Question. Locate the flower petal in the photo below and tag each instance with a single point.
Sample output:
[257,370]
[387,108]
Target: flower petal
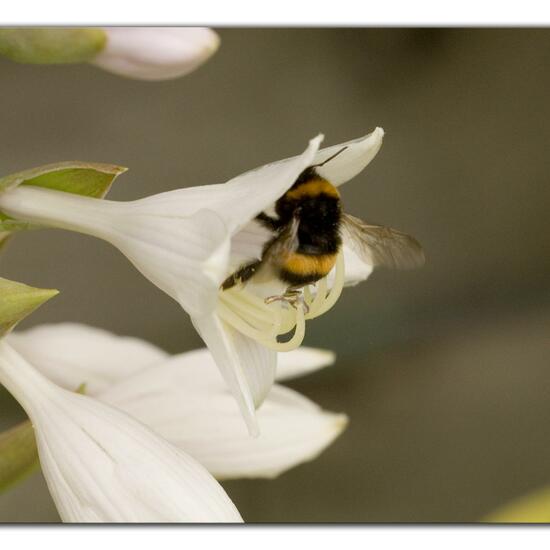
[345,166]
[278,448]
[71,354]
[184,257]
[290,364]
[302,361]
[258,363]
[248,244]
[156,53]
[219,338]
[237,201]
[252,365]
[356,270]
[180,402]
[102,465]
[349,163]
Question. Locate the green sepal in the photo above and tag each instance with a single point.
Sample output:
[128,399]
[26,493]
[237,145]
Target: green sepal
[18,300]
[91,179]
[18,455]
[55,45]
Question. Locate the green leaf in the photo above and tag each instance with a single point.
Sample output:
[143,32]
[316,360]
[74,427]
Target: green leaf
[531,508]
[18,300]
[54,45]
[18,455]
[91,179]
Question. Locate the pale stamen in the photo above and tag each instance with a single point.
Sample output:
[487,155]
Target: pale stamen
[266,322]
[320,296]
[297,338]
[335,292]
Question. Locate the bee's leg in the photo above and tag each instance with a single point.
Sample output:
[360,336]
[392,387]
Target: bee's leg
[292,296]
[243,274]
[295,296]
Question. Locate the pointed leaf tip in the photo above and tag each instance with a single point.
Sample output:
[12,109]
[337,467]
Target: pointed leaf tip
[18,300]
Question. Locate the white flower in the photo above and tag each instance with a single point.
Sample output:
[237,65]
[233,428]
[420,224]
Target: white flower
[101,465]
[156,53]
[189,240]
[184,400]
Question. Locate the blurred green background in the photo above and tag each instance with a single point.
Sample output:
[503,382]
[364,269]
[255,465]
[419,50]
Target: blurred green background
[444,372]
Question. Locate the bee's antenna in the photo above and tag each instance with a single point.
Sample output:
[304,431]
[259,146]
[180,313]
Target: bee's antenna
[330,158]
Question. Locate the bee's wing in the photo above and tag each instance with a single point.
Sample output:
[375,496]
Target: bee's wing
[382,246]
[284,244]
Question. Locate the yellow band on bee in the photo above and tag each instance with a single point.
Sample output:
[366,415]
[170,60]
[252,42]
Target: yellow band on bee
[308,264]
[312,188]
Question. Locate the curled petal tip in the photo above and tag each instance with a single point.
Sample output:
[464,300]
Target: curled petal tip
[356,155]
[317,140]
[252,425]
[340,422]
[375,138]
[328,357]
[212,46]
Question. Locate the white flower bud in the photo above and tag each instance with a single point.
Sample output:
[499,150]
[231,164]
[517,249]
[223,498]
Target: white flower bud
[156,53]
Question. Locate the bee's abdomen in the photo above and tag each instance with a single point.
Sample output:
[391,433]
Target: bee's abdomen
[302,269]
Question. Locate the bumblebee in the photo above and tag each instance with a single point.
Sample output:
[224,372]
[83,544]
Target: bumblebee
[308,230]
